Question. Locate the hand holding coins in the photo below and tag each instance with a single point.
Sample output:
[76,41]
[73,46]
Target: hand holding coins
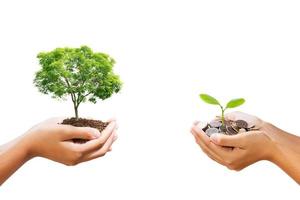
[238,140]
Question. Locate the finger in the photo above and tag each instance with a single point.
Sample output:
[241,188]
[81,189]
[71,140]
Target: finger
[232,115]
[219,151]
[203,142]
[108,131]
[207,151]
[69,132]
[55,120]
[237,115]
[111,119]
[229,140]
[99,142]
[103,150]
[195,122]
[250,119]
[107,145]
[216,160]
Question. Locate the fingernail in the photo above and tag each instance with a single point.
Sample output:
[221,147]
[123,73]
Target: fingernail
[94,137]
[95,133]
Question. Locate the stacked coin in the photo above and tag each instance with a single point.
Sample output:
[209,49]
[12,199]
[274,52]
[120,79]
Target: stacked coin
[228,128]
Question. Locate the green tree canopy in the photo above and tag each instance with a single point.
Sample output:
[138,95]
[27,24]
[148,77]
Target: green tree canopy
[80,73]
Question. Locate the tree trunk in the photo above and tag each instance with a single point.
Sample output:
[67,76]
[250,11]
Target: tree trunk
[76,111]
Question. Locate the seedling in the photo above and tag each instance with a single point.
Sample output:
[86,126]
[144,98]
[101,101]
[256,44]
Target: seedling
[78,73]
[231,104]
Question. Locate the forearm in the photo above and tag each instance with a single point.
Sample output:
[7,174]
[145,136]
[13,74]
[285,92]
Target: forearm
[12,156]
[287,151]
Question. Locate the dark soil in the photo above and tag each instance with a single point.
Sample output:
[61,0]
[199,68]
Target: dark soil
[80,122]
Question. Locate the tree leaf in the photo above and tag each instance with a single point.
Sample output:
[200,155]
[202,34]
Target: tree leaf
[235,103]
[209,99]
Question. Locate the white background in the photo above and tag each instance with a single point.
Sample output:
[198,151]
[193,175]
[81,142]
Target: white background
[167,52]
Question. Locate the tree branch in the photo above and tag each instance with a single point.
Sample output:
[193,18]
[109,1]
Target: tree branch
[79,100]
[73,96]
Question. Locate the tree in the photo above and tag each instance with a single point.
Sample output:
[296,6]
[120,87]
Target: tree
[80,73]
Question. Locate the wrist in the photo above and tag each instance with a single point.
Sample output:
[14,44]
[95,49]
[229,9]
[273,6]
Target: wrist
[275,136]
[25,144]
[277,139]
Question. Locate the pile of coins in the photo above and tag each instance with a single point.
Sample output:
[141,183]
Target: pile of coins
[228,128]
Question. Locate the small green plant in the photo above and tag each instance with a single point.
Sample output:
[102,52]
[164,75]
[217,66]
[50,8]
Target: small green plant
[231,104]
[80,73]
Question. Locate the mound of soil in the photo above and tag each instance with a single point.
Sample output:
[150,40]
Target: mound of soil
[81,122]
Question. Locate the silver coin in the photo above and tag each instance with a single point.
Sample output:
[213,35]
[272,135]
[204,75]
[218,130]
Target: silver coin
[211,131]
[242,130]
[215,124]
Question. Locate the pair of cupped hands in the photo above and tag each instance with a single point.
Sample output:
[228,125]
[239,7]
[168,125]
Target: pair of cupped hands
[238,151]
[53,141]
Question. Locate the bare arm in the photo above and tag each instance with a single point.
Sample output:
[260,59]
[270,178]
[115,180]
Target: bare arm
[12,156]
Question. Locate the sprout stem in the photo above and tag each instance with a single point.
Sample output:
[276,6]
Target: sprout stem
[222,116]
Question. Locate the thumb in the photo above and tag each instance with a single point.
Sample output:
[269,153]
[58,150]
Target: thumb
[86,133]
[228,141]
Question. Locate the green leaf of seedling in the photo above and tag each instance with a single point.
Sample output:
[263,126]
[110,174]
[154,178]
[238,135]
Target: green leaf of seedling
[235,103]
[209,99]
